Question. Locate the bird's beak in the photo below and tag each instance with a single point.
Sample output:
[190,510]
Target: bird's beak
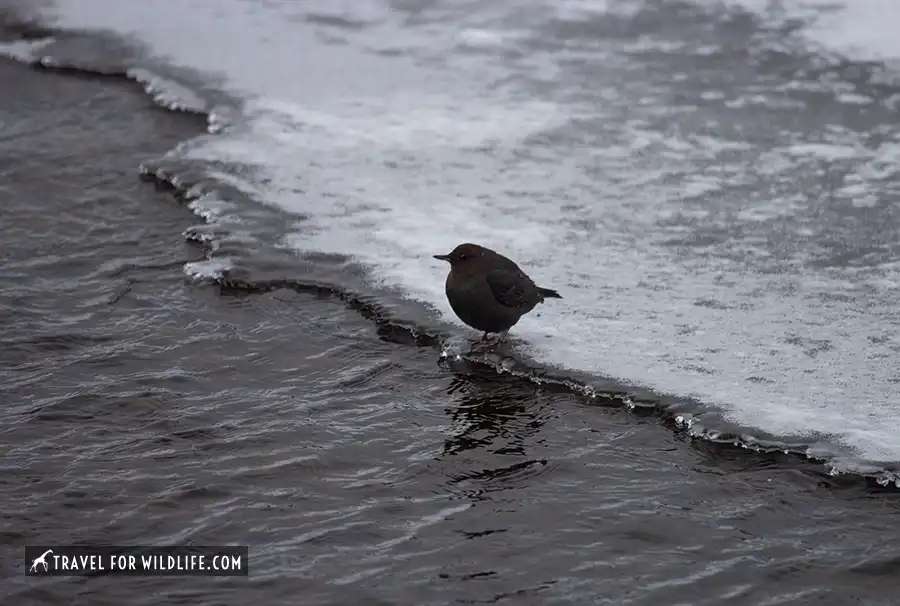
[442,257]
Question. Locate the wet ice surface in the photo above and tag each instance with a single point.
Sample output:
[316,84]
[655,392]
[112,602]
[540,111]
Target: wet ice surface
[715,202]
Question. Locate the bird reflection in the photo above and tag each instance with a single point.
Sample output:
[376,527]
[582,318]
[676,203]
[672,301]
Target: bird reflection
[495,412]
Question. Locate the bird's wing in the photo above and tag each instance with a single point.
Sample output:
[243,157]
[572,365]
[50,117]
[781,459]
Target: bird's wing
[509,287]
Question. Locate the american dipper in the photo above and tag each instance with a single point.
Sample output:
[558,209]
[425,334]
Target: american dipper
[489,292]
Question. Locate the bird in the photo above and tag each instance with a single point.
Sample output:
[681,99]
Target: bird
[489,292]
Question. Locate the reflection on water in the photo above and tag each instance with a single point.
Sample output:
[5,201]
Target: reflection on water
[492,413]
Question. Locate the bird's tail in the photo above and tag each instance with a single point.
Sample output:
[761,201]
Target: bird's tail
[550,294]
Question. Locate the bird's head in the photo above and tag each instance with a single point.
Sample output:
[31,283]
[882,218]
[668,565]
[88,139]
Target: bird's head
[463,254]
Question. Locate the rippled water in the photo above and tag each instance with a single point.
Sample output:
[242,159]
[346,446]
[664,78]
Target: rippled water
[712,193]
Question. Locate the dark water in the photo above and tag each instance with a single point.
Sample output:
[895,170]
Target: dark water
[139,406]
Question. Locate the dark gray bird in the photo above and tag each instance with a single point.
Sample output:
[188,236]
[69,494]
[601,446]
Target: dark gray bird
[488,291]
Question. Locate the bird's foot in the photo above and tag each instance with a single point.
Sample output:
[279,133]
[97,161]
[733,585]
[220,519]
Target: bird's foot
[486,342]
[482,345]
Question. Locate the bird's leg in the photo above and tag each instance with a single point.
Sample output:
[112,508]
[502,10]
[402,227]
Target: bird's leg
[484,337]
[503,336]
